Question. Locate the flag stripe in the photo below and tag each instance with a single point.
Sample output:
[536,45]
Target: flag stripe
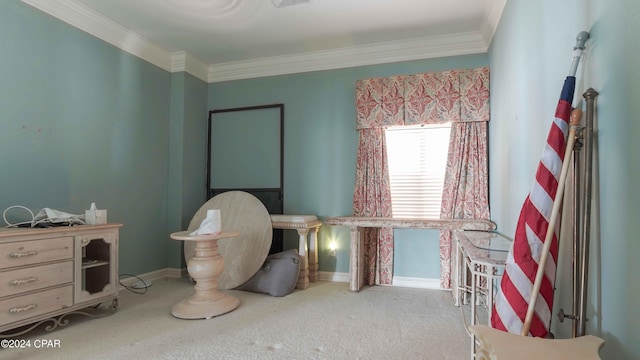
[516,286]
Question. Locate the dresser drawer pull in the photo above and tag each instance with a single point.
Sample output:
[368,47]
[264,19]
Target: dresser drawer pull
[18,282]
[23,309]
[17,255]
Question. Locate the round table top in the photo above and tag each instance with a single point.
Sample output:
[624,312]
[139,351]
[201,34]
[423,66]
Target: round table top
[186,235]
[246,254]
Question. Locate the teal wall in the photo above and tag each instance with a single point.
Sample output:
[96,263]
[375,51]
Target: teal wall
[131,137]
[82,121]
[529,57]
[320,150]
[187,156]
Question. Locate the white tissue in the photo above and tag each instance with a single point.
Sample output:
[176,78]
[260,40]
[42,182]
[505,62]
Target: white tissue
[210,224]
[90,215]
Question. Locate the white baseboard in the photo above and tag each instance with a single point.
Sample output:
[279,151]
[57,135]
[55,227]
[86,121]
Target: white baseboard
[129,280]
[420,283]
[410,282]
[333,276]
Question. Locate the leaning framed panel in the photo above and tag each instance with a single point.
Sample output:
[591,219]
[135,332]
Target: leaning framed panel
[245,152]
[245,149]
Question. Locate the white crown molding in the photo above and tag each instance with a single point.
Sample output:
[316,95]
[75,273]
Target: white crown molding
[380,53]
[183,61]
[96,24]
[90,21]
[492,18]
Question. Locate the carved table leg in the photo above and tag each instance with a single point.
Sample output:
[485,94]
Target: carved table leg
[313,255]
[303,277]
[356,259]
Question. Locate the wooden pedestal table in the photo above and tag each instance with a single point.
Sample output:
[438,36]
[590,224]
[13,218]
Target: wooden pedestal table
[204,267]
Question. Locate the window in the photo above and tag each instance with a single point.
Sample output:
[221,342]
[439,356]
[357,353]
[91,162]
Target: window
[417,158]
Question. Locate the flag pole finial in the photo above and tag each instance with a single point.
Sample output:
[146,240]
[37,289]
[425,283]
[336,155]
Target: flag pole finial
[582,38]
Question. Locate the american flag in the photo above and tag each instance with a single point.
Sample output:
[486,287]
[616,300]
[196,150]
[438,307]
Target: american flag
[512,299]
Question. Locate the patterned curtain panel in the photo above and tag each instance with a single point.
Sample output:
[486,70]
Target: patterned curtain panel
[474,94]
[372,198]
[456,96]
[380,102]
[428,98]
[369,104]
[466,187]
[433,98]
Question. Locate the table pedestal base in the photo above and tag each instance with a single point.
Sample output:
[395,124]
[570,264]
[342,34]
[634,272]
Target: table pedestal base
[193,308]
[205,267]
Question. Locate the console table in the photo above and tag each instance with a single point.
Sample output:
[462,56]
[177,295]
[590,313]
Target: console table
[356,254]
[49,273]
[307,227]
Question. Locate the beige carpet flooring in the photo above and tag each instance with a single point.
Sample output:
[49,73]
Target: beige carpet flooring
[325,321]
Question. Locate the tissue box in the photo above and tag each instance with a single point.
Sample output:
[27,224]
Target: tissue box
[101,216]
[94,217]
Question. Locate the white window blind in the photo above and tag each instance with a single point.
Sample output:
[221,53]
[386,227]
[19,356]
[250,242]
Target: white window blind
[417,162]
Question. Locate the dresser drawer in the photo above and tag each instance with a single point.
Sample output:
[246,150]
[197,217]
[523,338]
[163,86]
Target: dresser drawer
[35,251]
[33,278]
[42,302]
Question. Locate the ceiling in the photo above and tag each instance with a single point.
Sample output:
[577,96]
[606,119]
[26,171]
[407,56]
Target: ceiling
[229,39]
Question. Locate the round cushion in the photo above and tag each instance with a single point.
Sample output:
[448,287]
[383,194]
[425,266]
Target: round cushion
[244,254]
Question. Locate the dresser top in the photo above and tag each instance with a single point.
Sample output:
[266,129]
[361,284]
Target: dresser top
[20,231]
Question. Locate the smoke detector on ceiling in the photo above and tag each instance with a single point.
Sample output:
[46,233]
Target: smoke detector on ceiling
[283,3]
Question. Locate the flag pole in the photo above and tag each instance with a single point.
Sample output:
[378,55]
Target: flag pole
[574,123]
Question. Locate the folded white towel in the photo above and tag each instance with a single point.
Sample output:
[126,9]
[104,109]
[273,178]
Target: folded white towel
[210,224]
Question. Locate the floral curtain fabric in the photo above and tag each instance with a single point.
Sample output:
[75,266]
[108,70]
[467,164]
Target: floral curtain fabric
[372,198]
[465,194]
[429,98]
[456,96]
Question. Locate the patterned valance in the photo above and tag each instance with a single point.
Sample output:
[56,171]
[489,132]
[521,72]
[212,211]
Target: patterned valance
[429,98]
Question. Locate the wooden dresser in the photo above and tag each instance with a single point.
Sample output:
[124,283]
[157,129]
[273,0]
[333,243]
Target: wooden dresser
[49,273]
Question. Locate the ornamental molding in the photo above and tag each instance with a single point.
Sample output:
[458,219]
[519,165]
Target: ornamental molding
[90,21]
